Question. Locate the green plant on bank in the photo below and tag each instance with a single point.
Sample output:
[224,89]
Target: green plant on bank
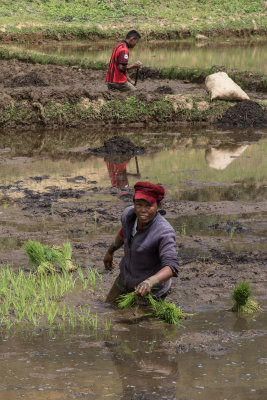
[37,299]
[241,296]
[50,259]
[161,309]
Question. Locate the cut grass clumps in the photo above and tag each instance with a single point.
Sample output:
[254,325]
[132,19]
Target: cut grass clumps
[161,309]
[241,295]
[50,259]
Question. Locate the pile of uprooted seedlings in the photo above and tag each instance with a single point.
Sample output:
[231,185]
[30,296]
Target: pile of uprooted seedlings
[50,259]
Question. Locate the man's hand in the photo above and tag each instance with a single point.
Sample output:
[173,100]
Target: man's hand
[108,261]
[145,287]
[138,64]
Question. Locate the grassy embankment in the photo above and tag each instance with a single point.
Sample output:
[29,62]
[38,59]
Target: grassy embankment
[155,19]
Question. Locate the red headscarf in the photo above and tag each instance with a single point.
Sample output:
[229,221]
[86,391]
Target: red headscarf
[149,192]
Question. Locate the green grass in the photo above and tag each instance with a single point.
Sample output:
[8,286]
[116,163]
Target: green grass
[108,16]
[30,299]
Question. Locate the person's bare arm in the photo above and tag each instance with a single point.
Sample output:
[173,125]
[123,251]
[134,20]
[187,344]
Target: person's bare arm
[138,64]
[145,287]
[108,259]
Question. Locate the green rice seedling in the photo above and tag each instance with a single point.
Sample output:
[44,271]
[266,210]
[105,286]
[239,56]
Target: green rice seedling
[162,310]
[127,300]
[184,230]
[107,324]
[95,219]
[92,275]
[35,251]
[231,233]
[241,296]
[52,313]
[52,210]
[65,259]
[82,278]
[94,321]
[5,205]
[46,267]
[166,311]
[72,318]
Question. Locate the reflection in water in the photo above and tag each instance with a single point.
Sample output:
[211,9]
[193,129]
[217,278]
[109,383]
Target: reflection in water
[244,56]
[221,157]
[145,372]
[117,169]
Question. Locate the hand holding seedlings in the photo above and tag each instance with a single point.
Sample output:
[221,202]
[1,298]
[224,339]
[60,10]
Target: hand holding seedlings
[150,256]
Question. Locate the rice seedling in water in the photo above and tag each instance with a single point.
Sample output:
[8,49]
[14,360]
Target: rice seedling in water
[107,324]
[231,233]
[92,275]
[94,321]
[5,205]
[161,309]
[241,295]
[166,311]
[127,300]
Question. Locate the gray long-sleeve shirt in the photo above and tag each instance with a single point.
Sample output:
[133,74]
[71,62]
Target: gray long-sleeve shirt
[151,249]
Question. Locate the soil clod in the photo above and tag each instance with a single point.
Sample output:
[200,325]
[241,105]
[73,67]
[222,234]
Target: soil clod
[30,79]
[245,113]
[165,89]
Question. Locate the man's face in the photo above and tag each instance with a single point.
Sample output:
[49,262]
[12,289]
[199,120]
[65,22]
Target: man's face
[145,211]
[132,42]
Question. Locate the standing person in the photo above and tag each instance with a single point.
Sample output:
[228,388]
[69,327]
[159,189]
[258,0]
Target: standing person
[150,257]
[116,77]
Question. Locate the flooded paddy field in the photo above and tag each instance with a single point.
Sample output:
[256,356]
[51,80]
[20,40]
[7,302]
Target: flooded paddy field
[246,55]
[52,189]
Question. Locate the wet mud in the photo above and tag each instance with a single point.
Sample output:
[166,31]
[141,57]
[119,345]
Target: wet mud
[34,95]
[78,207]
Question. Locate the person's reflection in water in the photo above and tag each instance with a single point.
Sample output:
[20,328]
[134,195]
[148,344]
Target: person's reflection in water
[117,169]
[146,372]
[222,156]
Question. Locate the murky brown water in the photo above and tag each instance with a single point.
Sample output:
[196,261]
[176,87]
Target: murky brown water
[135,359]
[129,363]
[250,56]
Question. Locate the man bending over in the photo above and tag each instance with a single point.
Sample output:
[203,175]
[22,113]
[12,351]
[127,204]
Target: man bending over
[116,77]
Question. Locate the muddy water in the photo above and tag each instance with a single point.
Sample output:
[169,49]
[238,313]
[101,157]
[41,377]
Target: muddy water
[216,353]
[134,361]
[244,56]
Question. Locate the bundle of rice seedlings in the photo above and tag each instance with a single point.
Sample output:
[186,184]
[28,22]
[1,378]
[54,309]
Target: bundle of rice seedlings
[166,311]
[46,267]
[161,309]
[35,251]
[50,259]
[127,300]
[65,259]
[241,295]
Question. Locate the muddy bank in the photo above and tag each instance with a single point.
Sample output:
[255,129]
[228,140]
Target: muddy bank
[54,96]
